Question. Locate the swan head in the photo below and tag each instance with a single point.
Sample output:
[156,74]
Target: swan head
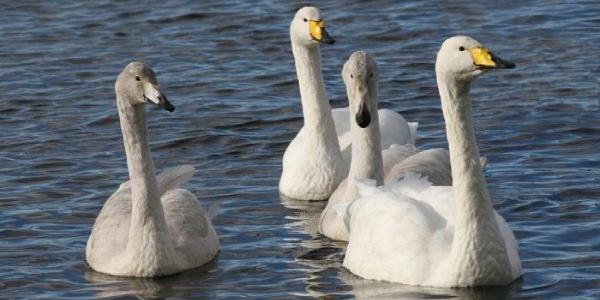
[360,75]
[464,58]
[137,85]
[308,28]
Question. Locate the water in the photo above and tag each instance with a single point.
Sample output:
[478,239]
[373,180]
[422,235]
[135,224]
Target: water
[227,67]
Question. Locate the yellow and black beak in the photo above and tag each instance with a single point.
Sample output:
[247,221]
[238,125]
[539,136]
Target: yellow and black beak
[318,32]
[484,59]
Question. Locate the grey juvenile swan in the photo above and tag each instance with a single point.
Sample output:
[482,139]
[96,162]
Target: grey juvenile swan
[150,226]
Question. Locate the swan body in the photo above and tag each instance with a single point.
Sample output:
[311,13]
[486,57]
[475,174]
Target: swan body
[150,226]
[411,232]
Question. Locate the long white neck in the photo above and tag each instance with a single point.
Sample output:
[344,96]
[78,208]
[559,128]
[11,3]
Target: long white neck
[148,227]
[477,239]
[367,160]
[315,105]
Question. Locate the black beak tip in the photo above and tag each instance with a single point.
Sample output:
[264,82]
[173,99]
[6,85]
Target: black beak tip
[164,103]
[326,38]
[501,63]
[170,107]
[363,119]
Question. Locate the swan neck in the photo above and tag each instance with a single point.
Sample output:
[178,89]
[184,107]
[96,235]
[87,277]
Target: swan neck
[367,160]
[147,218]
[315,104]
[476,232]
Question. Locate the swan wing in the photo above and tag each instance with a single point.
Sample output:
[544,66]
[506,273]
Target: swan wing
[190,227]
[341,119]
[169,179]
[413,126]
[111,228]
[395,236]
[432,163]
[331,223]
[512,246]
[174,178]
[395,154]
[394,129]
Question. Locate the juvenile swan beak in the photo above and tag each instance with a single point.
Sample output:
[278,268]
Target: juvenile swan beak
[485,59]
[153,94]
[363,116]
[318,32]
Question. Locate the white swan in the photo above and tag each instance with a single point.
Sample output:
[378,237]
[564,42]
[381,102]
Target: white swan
[414,233]
[149,226]
[313,163]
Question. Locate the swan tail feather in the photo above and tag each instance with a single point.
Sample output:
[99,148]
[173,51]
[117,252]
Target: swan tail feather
[174,178]
[483,161]
[366,187]
[413,126]
[213,211]
[342,211]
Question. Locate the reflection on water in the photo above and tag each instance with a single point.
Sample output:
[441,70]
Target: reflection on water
[106,286]
[228,68]
[368,289]
[307,217]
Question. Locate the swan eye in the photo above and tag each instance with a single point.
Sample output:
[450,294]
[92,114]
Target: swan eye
[137,78]
[371,74]
[351,76]
[305,20]
[461,48]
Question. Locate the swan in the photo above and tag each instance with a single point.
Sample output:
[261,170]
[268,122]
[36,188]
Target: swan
[360,75]
[313,163]
[411,232]
[150,226]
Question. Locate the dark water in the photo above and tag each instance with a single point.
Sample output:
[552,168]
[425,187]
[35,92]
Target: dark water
[227,67]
